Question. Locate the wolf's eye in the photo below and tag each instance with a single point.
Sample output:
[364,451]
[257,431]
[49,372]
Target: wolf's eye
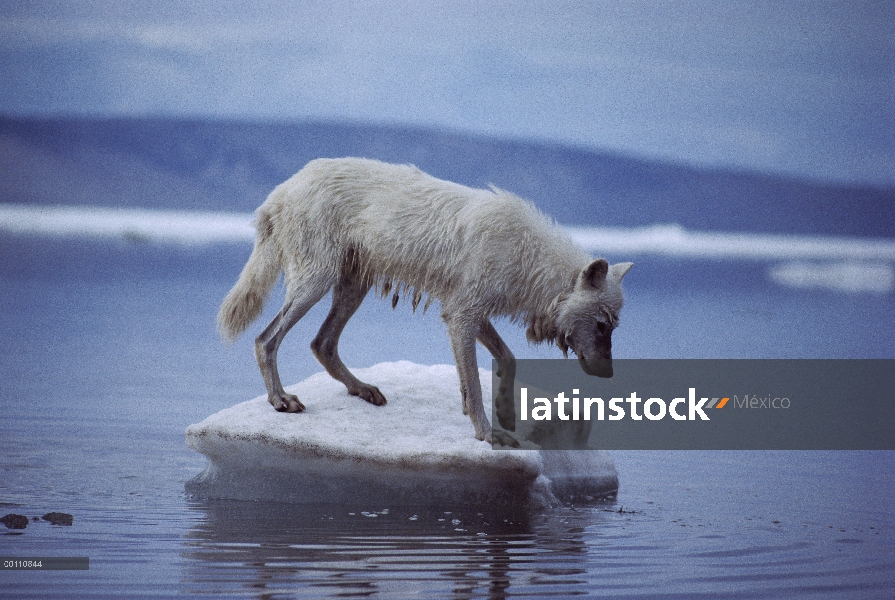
[601,327]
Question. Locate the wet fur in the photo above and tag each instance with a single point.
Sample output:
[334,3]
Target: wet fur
[351,225]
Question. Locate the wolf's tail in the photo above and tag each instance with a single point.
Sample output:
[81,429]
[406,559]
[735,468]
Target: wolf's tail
[244,302]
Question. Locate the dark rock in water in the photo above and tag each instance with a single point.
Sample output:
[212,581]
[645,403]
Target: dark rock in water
[58,518]
[13,521]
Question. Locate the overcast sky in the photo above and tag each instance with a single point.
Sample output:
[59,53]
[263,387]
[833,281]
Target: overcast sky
[803,88]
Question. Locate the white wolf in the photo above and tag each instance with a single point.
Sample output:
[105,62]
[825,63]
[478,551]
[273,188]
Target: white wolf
[350,224]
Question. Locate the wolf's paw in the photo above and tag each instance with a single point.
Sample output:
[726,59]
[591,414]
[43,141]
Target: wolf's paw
[504,439]
[484,437]
[370,393]
[286,403]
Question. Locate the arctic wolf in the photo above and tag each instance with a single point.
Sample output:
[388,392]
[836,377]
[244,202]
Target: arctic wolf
[349,225]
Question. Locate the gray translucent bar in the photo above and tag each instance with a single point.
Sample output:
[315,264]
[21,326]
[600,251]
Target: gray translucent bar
[782,404]
[45,563]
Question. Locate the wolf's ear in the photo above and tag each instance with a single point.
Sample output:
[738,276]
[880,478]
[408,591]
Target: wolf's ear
[595,273]
[618,271]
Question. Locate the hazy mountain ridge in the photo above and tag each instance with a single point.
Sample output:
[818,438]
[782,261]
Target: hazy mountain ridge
[229,165]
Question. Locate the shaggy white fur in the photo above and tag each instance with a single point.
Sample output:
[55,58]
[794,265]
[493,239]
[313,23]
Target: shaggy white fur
[350,224]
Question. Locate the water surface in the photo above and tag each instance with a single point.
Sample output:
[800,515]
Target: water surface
[108,351]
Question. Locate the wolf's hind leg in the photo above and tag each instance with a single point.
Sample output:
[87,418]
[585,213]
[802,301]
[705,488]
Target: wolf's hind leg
[268,343]
[506,363]
[348,294]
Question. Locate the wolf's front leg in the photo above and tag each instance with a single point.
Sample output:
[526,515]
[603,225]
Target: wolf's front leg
[506,369]
[462,332]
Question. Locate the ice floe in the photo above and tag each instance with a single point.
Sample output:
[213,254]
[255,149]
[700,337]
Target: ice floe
[418,449]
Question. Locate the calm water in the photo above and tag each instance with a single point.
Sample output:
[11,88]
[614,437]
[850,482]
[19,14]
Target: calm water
[108,351]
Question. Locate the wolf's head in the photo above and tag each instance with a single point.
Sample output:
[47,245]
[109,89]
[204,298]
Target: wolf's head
[586,318]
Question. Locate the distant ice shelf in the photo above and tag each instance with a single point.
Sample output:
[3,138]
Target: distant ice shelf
[419,449]
[843,264]
[135,224]
[675,241]
[204,227]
